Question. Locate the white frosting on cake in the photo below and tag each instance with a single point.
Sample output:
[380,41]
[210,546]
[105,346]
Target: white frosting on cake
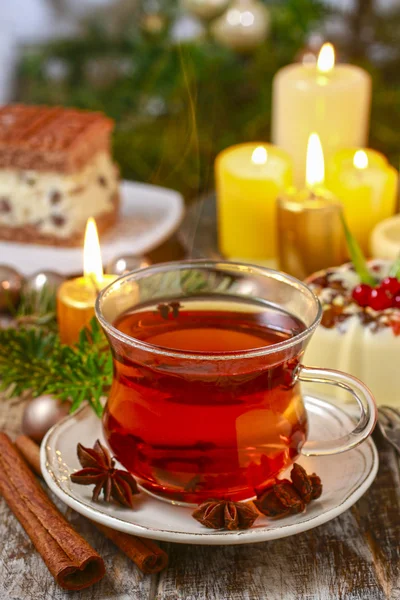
[371,356]
[369,351]
[55,203]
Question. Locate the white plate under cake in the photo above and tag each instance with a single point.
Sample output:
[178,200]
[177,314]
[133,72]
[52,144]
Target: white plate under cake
[148,215]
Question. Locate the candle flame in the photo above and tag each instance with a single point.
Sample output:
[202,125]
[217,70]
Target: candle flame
[259,156]
[315,166]
[360,160]
[326,58]
[92,265]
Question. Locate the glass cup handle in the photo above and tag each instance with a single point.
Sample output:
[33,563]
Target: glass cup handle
[365,401]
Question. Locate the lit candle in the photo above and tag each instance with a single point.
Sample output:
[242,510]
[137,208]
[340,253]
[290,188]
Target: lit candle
[331,99]
[310,234]
[76,297]
[366,185]
[249,178]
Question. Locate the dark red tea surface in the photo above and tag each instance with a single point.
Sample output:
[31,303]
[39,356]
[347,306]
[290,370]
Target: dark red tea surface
[190,429]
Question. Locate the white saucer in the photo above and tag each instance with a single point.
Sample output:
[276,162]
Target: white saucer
[149,215]
[345,478]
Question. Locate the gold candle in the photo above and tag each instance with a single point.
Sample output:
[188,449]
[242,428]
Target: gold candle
[76,297]
[310,233]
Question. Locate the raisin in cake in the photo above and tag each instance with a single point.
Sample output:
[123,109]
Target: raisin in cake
[55,172]
[360,328]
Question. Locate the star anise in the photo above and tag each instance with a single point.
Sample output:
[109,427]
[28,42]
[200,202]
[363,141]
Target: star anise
[290,497]
[98,470]
[163,309]
[316,486]
[172,307]
[270,505]
[224,514]
[302,482]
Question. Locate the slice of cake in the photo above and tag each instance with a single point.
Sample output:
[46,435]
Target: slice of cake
[55,172]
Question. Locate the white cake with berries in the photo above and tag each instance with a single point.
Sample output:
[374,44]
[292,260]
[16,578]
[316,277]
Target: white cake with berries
[360,327]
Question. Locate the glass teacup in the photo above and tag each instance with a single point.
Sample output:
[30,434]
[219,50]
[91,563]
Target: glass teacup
[206,400]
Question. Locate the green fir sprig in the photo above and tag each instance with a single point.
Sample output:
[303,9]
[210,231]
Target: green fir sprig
[34,359]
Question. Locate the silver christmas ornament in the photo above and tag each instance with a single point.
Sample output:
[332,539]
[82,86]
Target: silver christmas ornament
[42,279]
[205,9]
[10,287]
[153,23]
[125,264]
[40,414]
[243,27]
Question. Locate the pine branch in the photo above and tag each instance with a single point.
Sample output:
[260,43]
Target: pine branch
[35,359]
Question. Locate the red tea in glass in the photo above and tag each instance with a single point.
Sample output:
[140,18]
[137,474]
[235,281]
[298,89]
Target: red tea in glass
[205,401]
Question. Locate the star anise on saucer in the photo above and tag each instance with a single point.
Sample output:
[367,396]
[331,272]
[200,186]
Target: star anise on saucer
[286,497]
[224,514]
[316,486]
[280,500]
[98,470]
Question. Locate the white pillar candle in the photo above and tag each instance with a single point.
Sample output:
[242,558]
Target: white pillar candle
[333,100]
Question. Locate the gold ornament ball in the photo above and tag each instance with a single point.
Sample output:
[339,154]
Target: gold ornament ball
[153,23]
[43,279]
[205,9]
[40,414]
[243,27]
[10,288]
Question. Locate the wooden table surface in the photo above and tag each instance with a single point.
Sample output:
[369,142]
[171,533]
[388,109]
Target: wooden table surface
[354,557]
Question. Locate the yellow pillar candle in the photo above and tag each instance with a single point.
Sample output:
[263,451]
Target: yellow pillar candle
[310,231]
[76,297]
[249,178]
[333,100]
[366,185]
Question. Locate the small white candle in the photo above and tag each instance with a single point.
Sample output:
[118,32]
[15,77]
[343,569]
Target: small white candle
[333,100]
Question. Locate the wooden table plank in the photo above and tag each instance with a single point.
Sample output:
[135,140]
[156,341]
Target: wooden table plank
[330,562]
[23,574]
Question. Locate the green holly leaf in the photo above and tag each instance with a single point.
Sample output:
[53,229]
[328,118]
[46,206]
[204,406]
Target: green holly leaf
[395,269]
[357,256]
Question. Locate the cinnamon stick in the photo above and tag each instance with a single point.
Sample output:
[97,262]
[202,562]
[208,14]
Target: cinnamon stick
[30,451]
[145,553]
[71,560]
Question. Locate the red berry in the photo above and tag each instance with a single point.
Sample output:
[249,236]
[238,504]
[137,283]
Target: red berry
[391,285]
[380,299]
[361,294]
[396,301]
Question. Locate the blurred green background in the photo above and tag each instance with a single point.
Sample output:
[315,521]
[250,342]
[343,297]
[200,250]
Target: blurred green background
[179,99]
